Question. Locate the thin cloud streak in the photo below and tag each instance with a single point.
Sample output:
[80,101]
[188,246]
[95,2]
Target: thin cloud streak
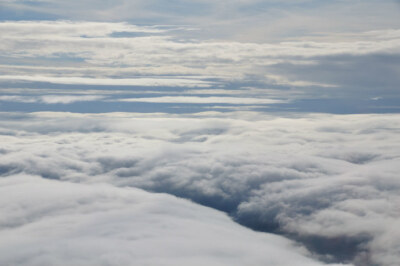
[112,82]
[52,99]
[203,100]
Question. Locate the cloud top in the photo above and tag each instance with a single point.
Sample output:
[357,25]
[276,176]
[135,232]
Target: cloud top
[52,222]
[327,181]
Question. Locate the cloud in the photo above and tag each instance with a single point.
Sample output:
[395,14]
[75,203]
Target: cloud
[327,181]
[83,54]
[238,20]
[52,222]
[41,29]
[71,182]
[100,81]
[51,99]
[357,73]
[17,98]
[65,99]
[193,99]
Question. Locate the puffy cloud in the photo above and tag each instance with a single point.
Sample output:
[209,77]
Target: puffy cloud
[59,223]
[327,181]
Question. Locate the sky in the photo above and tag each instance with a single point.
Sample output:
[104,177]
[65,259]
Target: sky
[242,132]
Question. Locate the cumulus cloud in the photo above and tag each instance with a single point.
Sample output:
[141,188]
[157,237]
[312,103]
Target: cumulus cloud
[327,181]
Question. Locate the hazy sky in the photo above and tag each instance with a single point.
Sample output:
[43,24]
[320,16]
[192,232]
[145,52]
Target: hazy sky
[199,132]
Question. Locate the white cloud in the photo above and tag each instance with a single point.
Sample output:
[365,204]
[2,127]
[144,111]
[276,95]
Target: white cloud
[60,223]
[41,29]
[102,81]
[17,98]
[66,52]
[240,20]
[211,100]
[329,181]
[51,99]
[65,99]
[88,54]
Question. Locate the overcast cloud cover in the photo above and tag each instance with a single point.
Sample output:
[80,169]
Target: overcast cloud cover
[200,132]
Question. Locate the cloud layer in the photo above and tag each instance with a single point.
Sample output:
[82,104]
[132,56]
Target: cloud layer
[244,20]
[74,57]
[58,223]
[328,181]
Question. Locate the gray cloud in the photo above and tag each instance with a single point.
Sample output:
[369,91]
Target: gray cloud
[356,73]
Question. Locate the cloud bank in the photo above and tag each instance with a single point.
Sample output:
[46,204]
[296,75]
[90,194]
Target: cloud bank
[60,223]
[327,181]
